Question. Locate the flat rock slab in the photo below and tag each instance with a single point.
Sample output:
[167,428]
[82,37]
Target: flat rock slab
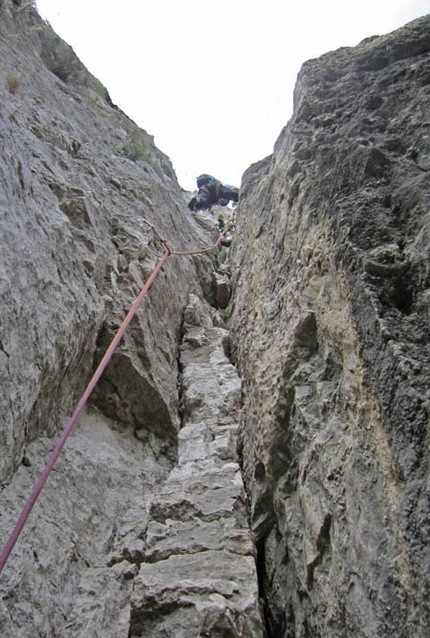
[184,594]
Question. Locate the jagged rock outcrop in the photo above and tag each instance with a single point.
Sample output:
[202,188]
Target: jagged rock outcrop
[330,330]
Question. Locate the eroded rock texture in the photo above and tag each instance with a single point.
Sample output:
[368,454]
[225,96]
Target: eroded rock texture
[199,574]
[143,526]
[331,334]
[77,180]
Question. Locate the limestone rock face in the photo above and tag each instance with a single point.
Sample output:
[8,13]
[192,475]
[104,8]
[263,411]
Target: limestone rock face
[72,568]
[199,575]
[187,476]
[330,330]
[77,181]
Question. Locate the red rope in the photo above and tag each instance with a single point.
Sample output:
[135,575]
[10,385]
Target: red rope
[100,369]
[69,427]
[196,251]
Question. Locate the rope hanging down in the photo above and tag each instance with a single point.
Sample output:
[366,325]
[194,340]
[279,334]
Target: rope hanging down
[95,378]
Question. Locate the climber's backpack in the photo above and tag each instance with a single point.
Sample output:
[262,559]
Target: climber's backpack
[204,179]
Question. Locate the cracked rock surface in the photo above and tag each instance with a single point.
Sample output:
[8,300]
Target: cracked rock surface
[144,527]
[330,331]
[199,577]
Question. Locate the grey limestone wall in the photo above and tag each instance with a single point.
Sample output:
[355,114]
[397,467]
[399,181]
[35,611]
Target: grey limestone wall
[330,331]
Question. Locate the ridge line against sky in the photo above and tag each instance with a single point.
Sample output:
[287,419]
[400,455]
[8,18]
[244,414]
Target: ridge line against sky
[213,83]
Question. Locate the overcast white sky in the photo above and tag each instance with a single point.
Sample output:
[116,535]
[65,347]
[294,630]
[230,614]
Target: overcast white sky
[213,81]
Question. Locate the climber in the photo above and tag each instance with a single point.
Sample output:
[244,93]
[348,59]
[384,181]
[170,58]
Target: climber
[211,191]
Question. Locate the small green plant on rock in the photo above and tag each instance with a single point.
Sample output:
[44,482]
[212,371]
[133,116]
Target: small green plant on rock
[99,88]
[13,82]
[141,535]
[225,312]
[223,255]
[60,59]
[134,148]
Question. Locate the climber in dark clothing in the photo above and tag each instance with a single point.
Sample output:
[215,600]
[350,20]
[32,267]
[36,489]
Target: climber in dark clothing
[211,192]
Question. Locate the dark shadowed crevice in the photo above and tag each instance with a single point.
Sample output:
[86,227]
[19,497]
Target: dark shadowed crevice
[272,627]
[180,371]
